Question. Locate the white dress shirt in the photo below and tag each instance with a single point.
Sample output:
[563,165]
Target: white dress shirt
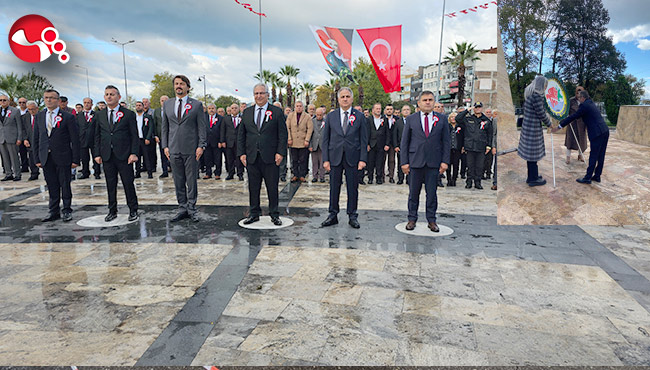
[182,101]
[139,118]
[263,117]
[422,114]
[115,110]
[377,122]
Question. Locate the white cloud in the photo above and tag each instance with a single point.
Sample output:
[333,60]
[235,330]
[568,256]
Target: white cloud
[644,44]
[630,34]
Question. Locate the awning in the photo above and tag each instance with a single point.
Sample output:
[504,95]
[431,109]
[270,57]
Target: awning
[454,84]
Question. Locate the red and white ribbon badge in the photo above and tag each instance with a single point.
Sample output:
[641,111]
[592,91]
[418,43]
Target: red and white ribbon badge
[57,120]
[8,113]
[119,116]
[435,121]
[269,115]
[352,119]
[483,125]
[188,106]
[457,129]
[146,121]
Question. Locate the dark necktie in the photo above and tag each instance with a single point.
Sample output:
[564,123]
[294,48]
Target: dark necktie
[345,123]
[111,125]
[180,107]
[426,125]
[4,113]
[259,118]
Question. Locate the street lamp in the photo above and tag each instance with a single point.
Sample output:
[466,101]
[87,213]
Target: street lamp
[205,97]
[87,80]
[126,91]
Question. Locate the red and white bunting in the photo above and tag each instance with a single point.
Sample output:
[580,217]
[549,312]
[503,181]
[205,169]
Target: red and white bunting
[473,9]
[249,7]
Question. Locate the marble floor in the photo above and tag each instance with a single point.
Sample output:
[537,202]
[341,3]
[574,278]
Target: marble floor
[622,198]
[212,293]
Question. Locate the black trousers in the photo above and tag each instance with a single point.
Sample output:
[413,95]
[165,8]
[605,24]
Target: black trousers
[24,158]
[32,165]
[487,166]
[270,173]
[58,180]
[212,158]
[163,159]
[233,163]
[352,187]
[533,171]
[475,161]
[400,173]
[299,161]
[112,168]
[597,155]
[86,160]
[463,164]
[376,163]
[146,164]
[429,177]
[452,170]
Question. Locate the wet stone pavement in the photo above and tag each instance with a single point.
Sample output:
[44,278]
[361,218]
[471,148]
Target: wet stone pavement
[158,293]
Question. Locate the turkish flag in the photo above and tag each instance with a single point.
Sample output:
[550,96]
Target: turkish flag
[384,47]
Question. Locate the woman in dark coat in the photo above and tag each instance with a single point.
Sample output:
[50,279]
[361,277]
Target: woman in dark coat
[578,127]
[531,140]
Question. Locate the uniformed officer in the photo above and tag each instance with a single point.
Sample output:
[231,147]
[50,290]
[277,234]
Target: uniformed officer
[477,142]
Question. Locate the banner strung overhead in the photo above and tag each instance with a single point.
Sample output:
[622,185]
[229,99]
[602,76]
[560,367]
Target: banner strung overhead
[384,45]
[469,10]
[249,7]
[336,46]
[555,97]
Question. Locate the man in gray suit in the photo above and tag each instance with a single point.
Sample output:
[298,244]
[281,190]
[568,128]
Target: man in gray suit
[315,147]
[184,139]
[11,134]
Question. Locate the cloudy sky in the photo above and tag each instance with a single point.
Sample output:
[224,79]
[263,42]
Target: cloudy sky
[630,26]
[219,38]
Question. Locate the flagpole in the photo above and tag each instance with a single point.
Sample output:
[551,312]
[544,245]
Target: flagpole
[442,27]
[260,6]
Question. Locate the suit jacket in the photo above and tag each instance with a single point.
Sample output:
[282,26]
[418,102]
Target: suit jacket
[398,130]
[86,130]
[157,122]
[419,151]
[63,143]
[316,137]
[267,141]
[299,132]
[213,133]
[28,130]
[377,137]
[148,127]
[186,135]
[228,132]
[354,143]
[11,128]
[390,130]
[592,118]
[120,142]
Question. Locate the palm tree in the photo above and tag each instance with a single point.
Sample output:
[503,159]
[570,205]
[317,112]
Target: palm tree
[273,80]
[281,85]
[360,75]
[289,71]
[458,57]
[11,85]
[266,75]
[307,88]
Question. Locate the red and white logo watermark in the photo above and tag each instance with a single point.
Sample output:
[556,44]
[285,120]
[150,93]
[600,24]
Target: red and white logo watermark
[33,39]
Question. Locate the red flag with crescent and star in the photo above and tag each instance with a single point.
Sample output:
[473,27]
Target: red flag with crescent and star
[384,45]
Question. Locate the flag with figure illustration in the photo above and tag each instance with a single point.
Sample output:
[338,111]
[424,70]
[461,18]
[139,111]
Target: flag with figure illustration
[336,46]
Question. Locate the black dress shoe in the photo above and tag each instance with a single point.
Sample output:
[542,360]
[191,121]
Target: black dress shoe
[137,175]
[379,182]
[462,176]
[400,182]
[276,221]
[354,223]
[283,178]
[314,179]
[584,180]
[478,186]
[468,185]
[98,177]
[330,221]
[133,216]
[539,178]
[241,178]
[440,185]
[251,219]
[110,217]
[361,182]
[8,178]
[180,216]
[32,178]
[83,177]
[66,217]
[17,178]
[392,181]
[51,217]
[195,217]
[369,181]
[230,177]
[163,176]
[597,179]
[537,183]
[150,176]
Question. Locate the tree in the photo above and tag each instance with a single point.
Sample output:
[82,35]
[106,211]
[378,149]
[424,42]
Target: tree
[162,84]
[638,87]
[11,85]
[463,53]
[225,101]
[307,89]
[618,92]
[264,78]
[323,96]
[33,86]
[289,71]
[273,80]
[361,75]
[207,99]
[373,91]
[281,85]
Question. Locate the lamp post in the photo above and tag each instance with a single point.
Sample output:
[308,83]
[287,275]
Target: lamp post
[87,80]
[205,96]
[126,91]
[442,28]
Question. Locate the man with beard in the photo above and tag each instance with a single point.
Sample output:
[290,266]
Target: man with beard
[228,136]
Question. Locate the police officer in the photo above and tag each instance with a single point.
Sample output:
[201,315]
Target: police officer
[476,142]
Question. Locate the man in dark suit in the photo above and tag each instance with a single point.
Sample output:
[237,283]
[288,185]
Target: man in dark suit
[377,144]
[228,136]
[389,121]
[29,119]
[398,130]
[116,147]
[145,126]
[597,131]
[426,148]
[87,139]
[261,145]
[56,150]
[213,148]
[11,135]
[157,119]
[183,136]
[345,144]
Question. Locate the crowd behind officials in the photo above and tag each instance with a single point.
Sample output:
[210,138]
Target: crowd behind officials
[472,149]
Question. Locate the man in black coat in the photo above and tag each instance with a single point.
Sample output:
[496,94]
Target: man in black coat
[213,143]
[397,139]
[261,145]
[146,129]
[228,136]
[597,131]
[29,119]
[378,141]
[56,150]
[477,141]
[116,147]
[157,120]
[87,139]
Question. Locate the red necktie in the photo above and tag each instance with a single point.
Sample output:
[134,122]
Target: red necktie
[426,125]
[211,121]
[86,113]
